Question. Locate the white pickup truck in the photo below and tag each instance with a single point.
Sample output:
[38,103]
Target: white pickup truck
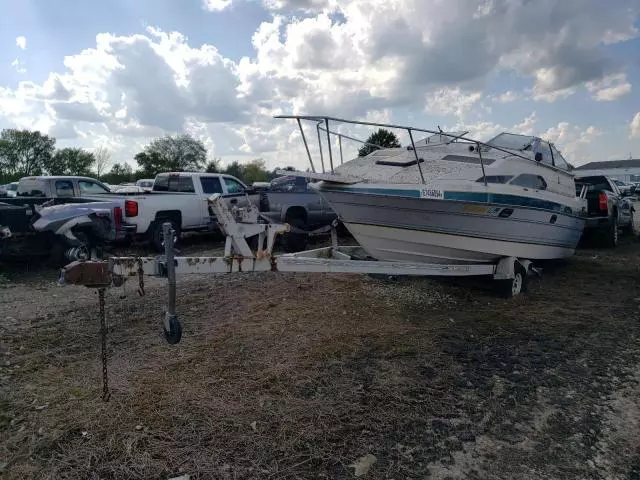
[181,198]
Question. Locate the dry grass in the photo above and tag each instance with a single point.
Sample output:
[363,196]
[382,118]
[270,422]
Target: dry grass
[298,376]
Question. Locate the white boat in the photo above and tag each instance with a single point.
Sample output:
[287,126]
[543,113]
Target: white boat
[451,199]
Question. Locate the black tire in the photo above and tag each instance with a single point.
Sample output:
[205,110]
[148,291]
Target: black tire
[174,334]
[295,242]
[514,286]
[157,233]
[610,234]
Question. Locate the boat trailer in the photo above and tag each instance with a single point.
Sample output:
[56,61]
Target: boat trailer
[240,224]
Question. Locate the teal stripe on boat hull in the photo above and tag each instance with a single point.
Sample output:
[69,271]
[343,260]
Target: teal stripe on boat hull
[475,197]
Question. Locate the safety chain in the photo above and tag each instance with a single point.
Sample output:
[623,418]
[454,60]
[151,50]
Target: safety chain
[103,334]
[140,278]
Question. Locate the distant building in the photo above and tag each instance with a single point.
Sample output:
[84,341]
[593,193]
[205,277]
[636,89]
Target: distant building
[625,170]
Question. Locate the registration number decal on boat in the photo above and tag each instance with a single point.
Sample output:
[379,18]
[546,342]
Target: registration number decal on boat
[431,193]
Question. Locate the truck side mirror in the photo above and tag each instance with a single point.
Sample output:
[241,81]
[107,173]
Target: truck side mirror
[538,157]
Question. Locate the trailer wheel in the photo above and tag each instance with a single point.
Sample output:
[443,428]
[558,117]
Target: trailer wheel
[174,334]
[513,287]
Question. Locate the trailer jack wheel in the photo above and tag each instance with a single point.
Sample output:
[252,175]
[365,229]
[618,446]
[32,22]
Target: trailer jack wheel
[174,332]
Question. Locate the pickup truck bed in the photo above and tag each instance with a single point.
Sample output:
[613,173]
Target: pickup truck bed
[177,197]
[607,209]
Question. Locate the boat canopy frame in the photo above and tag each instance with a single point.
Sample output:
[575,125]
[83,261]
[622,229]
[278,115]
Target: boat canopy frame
[322,125]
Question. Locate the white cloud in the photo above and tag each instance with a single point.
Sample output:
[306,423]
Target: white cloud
[304,5]
[336,58]
[634,126]
[507,97]
[216,5]
[609,88]
[19,66]
[527,126]
[485,130]
[21,42]
[575,143]
[446,101]
[541,95]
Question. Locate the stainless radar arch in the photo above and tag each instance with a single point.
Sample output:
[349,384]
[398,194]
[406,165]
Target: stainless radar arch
[322,124]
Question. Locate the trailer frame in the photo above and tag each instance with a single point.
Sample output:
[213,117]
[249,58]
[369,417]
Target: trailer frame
[239,224]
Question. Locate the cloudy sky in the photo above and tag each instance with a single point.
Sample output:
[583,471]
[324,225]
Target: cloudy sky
[117,73]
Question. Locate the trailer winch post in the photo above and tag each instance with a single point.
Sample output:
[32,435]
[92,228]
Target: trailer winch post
[172,327]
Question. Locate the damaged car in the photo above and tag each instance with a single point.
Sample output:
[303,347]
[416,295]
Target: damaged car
[62,233]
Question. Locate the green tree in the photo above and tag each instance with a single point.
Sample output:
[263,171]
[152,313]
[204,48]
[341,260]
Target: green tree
[236,169]
[255,171]
[24,153]
[382,138]
[172,153]
[214,166]
[119,174]
[71,161]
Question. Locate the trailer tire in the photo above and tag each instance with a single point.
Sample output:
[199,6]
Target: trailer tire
[513,287]
[157,233]
[174,334]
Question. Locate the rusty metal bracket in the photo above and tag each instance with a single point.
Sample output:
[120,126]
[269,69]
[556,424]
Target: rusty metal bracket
[92,274]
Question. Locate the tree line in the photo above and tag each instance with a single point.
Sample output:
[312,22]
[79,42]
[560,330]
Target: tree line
[26,153]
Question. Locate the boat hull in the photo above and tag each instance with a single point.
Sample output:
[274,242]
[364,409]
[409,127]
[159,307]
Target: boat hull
[398,228]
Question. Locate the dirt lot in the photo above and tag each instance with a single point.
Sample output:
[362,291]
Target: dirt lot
[302,376]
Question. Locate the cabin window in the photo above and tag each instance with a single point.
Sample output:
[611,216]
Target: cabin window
[90,188]
[211,185]
[528,180]
[64,188]
[543,148]
[173,183]
[233,186]
[495,179]
[558,159]
[289,184]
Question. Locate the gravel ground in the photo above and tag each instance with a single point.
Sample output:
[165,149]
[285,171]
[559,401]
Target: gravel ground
[334,376]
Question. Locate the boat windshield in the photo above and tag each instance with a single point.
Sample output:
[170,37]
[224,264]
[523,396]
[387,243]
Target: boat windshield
[440,138]
[511,141]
